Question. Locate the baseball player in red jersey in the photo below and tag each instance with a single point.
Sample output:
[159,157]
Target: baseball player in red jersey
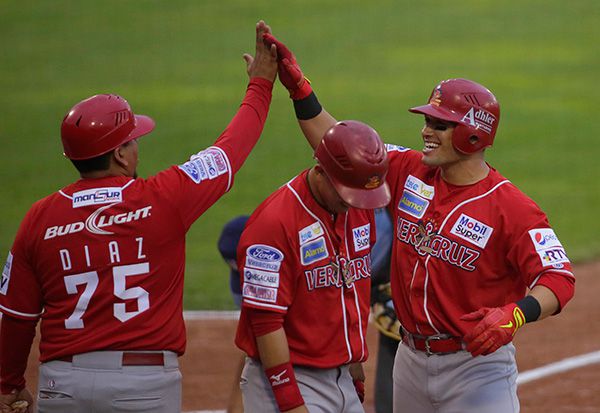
[101,261]
[304,259]
[473,258]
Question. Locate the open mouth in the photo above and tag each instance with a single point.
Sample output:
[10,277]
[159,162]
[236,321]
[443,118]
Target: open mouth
[430,146]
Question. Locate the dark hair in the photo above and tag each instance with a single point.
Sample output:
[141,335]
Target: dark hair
[98,163]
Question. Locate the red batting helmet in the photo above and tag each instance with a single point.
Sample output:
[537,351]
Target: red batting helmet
[471,106]
[99,124]
[355,161]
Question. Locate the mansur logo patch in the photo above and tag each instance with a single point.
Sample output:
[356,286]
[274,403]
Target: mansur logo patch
[97,196]
[469,229]
[313,251]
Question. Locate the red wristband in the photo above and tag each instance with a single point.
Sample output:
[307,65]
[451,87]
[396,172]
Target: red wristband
[285,389]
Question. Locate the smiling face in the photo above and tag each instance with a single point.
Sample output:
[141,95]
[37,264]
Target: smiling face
[437,138]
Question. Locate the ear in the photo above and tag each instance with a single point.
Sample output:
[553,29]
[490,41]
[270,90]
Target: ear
[119,156]
[319,169]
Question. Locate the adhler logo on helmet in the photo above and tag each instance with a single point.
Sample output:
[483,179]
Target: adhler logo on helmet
[480,119]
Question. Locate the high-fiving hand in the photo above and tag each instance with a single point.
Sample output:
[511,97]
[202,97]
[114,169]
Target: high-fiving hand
[290,74]
[264,62]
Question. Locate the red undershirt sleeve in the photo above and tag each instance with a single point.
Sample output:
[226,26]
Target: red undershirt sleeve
[16,337]
[264,322]
[242,133]
[562,287]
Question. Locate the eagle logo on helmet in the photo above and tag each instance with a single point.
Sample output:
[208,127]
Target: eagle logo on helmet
[436,97]
[373,182]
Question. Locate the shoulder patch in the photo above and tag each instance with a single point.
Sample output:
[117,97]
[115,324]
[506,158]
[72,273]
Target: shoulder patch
[6,274]
[313,251]
[259,277]
[396,148]
[207,164]
[264,257]
[548,247]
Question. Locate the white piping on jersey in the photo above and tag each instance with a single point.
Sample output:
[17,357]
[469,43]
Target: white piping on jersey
[278,307]
[229,170]
[334,251]
[466,201]
[414,274]
[71,198]
[14,312]
[550,270]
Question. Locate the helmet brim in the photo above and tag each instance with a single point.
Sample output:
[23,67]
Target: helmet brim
[363,198]
[143,126]
[437,112]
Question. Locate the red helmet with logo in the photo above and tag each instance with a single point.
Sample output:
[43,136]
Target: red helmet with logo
[355,161]
[471,106]
[99,124]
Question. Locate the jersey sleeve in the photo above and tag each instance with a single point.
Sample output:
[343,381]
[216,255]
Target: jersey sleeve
[20,290]
[267,269]
[539,255]
[197,184]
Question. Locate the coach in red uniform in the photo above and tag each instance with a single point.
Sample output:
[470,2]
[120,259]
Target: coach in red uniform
[473,258]
[101,261]
[305,263]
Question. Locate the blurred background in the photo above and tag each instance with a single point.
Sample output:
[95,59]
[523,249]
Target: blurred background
[180,62]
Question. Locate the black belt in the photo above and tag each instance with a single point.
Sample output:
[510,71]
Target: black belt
[131,358]
[439,344]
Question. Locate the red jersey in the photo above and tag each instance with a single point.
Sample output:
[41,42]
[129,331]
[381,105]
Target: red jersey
[102,260]
[289,255]
[460,248]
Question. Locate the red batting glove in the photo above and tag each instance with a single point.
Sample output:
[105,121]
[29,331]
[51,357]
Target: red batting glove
[496,327]
[289,71]
[359,385]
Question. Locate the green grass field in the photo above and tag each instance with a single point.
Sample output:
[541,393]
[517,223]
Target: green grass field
[180,62]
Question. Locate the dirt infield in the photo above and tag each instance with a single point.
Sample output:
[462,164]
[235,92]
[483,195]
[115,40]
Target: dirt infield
[211,357]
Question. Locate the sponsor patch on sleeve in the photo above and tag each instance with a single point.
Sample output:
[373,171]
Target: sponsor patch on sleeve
[361,237]
[259,292]
[413,204]
[259,277]
[264,257]
[471,230]
[311,232]
[97,196]
[396,148]
[6,274]
[207,164]
[313,251]
[548,247]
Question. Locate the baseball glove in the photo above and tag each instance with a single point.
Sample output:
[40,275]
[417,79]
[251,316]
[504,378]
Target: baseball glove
[384,316]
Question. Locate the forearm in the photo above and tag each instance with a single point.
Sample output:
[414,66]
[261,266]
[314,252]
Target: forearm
[242,133]
[314,129]
[547,300]
[273,348]
[16,337]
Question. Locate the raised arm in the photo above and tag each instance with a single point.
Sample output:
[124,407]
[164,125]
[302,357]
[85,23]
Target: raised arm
[312,118]
[242,133]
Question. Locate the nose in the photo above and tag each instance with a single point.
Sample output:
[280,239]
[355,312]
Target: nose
[426,131]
